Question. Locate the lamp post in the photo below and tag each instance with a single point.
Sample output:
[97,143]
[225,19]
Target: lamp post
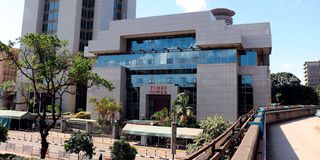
[173,138]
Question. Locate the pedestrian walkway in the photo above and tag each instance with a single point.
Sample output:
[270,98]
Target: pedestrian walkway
[294,140]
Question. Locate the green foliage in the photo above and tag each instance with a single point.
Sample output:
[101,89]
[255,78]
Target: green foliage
[212,128]
[56,108]
[80,142]
[83,115]
[107,108]
[49,70]
[284,79]
[121,150]
[181,109]
[103,122]
[66,113]
[163,116]
[3,134]
[287,90]
[318,91]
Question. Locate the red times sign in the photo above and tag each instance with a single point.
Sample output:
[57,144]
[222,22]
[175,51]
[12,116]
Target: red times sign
[158,90]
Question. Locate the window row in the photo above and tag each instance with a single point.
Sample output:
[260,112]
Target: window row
[85,35]
[51,16]
[51,5]
[88,25]
[88,3]
[195,57]
[49,27]
[87,13]
[156,44]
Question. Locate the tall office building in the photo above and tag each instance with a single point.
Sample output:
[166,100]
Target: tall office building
[312,73]
[224,67]
[8,72]
[76,21]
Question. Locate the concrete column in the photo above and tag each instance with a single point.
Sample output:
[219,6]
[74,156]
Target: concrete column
[143,140]
[88,127]
[63,125]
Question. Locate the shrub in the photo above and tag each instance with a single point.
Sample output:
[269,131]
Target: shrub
[83,115]
[121,150]
[212,128]
[3,134]
[80,142]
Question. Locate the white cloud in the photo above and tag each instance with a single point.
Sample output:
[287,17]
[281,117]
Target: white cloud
[192,5]
[287,66]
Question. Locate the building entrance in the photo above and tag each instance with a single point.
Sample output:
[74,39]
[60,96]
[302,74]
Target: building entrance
[157,103]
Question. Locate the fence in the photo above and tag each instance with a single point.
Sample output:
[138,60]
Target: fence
[216,149]
[56,149]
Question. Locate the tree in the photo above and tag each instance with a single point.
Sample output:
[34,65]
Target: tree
[3,134]
[287,90]
[121,150]
[80,142]
[106,108]
[284,79]
[48,70]
[212,128]
[181,109]
[318,91]
[163,116]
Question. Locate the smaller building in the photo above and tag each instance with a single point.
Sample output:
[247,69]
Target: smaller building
[8,72]
[312,73]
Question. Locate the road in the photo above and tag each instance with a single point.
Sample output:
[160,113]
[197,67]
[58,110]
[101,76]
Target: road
[28,143]
[294,140]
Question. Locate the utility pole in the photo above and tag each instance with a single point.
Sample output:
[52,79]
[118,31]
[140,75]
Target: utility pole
[173,138]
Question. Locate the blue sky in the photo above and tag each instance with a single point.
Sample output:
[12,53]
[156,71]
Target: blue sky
[295,24]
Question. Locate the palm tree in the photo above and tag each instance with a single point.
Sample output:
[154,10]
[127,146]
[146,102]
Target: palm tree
[181,109]
[163,116]
[106,108]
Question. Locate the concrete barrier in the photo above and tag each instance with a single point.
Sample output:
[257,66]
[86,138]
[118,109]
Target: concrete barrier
[289,114]
[249,143]
[253,141]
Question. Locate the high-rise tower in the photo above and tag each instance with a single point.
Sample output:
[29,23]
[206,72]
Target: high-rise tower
[76,21]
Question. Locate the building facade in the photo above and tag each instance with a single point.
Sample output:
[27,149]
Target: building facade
[223,67]
[8,72]
[76,21]
[312,73]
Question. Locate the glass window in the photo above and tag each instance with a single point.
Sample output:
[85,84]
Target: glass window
[128,62]
[170,80]
[248,58]
[224,56]
[195,59]
[182,60]
[183,80]
[140,80]
[163,43]
[151,81]
[150,61]
[169,61]
[139,62]
[216,57]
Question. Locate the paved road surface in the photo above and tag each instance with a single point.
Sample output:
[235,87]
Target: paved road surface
[26,142]
[294,140]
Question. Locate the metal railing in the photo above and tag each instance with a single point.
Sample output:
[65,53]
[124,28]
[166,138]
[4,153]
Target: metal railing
[216,148]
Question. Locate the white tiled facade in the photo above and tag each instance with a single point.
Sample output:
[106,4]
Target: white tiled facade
[217,84]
